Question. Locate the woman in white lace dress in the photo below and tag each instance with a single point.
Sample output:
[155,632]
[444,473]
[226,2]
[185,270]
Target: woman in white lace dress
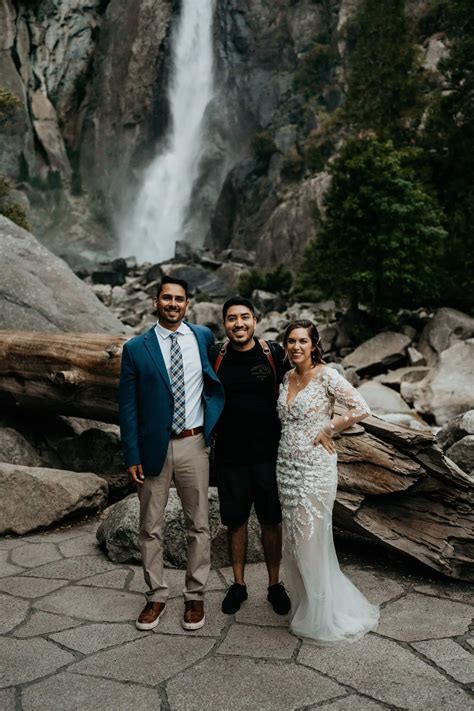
[325,605]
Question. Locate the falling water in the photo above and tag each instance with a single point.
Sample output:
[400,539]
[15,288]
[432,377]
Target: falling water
[157,217]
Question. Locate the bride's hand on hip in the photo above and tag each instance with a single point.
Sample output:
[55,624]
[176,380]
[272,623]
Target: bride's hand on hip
[325,441]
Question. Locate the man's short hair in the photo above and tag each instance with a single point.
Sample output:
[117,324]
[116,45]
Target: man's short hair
[172,280]
[237,301]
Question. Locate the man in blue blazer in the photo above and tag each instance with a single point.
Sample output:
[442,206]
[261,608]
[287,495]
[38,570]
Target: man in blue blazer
[169,402]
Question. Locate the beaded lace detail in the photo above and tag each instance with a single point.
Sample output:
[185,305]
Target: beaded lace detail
[307,473]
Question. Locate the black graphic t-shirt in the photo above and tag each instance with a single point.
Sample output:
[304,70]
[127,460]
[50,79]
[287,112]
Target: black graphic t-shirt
[249,428]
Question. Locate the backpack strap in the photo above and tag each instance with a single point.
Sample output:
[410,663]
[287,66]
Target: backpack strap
[220,356]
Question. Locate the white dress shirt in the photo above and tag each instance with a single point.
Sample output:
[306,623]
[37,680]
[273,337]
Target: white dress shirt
[193,381]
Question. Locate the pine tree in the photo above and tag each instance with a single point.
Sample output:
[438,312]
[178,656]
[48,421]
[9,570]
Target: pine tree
[381,234]
[384,84]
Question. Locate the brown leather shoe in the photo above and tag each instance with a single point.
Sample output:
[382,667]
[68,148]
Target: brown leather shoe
[150,615]
[194,617]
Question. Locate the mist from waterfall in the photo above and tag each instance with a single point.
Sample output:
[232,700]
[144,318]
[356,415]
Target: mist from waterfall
[158,214]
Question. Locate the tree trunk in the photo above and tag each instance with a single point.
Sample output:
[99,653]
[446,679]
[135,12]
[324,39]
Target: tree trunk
[395,484]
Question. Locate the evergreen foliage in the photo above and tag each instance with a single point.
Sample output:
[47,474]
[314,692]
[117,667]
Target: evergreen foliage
[384,84]
[380,239]
[8,207]
[278,281]
[449,145]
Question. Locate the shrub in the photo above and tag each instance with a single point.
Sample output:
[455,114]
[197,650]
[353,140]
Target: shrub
[278,280]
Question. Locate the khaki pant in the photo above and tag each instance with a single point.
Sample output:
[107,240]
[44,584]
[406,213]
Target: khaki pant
[188,460]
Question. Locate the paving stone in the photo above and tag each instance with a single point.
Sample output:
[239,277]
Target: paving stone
[111,579]
[6,544]
[450,656]
[453,590]
[80,545]
[146,661]
[58,535]
[12,612]
[41,623]
[78,693]
[385,671]
[26,660]
[353,703]
[7,700]
[470,641]
[74,568]
[7,569]
[33,555]
[91,638]
[97,605]
[376,587]
[30,587]
[258,611]
[246,685]
[418,617]
[170,623]
[247,641]
[256,576]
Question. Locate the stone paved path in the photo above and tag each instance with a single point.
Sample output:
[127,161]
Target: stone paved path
[68,640]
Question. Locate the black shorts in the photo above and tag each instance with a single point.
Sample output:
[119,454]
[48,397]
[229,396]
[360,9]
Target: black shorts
[241,485]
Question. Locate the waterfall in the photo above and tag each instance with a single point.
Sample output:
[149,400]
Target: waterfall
[157,217]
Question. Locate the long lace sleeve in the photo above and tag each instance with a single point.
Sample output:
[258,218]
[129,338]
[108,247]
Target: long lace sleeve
[345,394]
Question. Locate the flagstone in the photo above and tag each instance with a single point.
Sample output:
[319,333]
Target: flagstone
[22,586]
[450,656]
[73,568]
[418,617]
[110,579]
[253,641]
[33,555]
[26,660]
[88,639]
[95,604]
[12,612]
[41,623]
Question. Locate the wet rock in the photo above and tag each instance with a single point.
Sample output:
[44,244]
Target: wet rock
[35,497]
[381,352]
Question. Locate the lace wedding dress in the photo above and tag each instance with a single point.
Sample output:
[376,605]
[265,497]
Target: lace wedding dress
[325,605]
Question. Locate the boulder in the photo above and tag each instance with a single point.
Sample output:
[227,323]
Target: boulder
[15,449]
[447,327]
[415,358]
[381,399]
[462,453]
[243,256]
[379,353]
[205,313]
[118,533]
[448,390]
[35,497]
[395,378]
[456,429]
[41,293]
[265,301]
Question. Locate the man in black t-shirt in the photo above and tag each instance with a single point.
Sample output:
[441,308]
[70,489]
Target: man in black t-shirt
[246,447]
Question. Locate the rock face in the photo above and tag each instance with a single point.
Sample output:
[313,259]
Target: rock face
[40,293]
[118,533]
[33,497]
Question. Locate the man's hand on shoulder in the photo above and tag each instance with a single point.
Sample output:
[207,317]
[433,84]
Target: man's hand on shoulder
[136,473]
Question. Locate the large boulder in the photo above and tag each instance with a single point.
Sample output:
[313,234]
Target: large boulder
[118,533]
[34,497]
[15,449]
[447,327]
[383,351]
[381,399]
[41,293]
[448,390]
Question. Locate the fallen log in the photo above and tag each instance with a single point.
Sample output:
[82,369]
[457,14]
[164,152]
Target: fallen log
[395,484]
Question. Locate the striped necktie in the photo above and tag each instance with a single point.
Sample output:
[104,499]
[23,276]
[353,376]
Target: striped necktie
[177,386]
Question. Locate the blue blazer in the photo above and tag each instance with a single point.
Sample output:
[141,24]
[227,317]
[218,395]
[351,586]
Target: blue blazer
[146,401]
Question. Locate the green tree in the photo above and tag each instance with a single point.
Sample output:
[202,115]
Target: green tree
[449,144]
[384,82]
[379,240]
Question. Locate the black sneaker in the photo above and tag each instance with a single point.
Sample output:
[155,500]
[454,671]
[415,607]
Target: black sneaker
[235,596]
[278,599]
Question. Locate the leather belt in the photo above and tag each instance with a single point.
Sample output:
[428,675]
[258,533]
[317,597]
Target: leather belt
[187,433]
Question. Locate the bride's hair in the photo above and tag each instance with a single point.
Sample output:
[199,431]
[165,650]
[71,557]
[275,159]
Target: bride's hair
[313,333]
